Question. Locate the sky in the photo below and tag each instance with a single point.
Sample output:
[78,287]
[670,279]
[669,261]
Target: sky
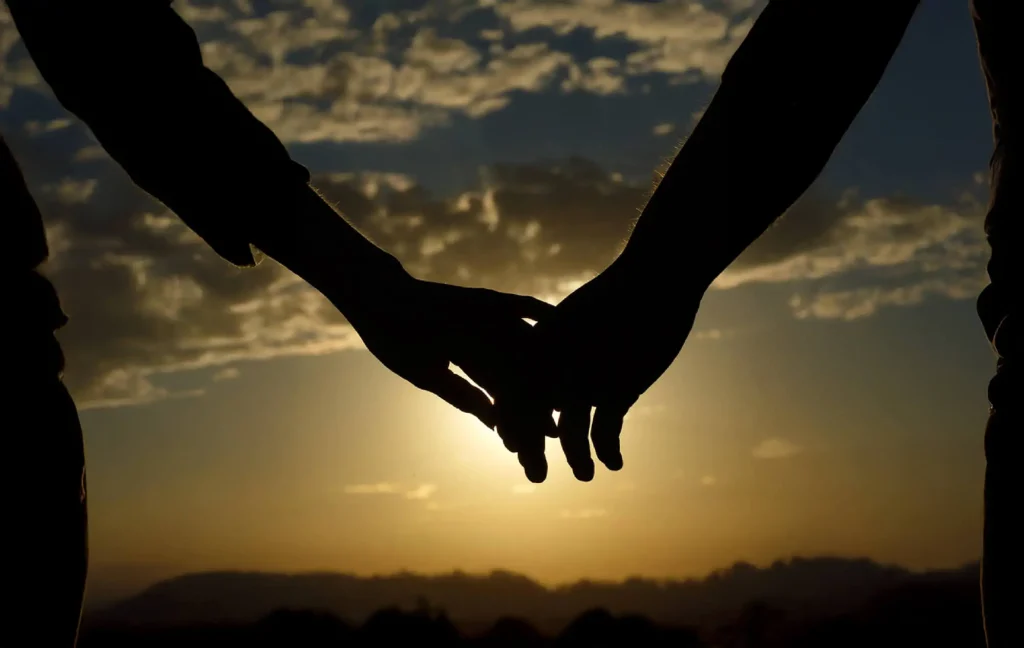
[831,399]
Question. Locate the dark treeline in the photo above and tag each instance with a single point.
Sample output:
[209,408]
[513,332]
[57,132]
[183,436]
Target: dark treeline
[933,614]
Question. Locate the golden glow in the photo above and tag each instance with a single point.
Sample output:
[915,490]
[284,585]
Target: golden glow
[346,467]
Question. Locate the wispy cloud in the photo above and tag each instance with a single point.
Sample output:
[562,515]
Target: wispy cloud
[822,239]
[381,488]
[663,129]
[524,489]
[421,492]
[710,334]
[34,127]
[849,305]
[146,298]
[708,480]
[673,38]
[228,373]
[315,72]
[776,449]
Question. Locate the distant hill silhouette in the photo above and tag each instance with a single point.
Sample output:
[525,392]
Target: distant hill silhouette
[940,610]
[810,587]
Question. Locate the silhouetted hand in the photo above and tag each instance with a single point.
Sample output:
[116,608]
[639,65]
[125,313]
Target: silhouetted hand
[607,343]
[416,328]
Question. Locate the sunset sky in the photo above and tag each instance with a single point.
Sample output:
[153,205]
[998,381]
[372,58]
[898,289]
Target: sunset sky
[831,399]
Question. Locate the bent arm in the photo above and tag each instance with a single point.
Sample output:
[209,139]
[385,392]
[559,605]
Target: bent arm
[787,97]
[133,73]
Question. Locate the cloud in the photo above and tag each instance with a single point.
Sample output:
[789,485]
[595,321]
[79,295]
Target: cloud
[709,334]
[34,127]
[90,153]
[674,37]
[71,190]
[820,238]
[316,71]
[664,129]
[381,84]
[584,514]
[708,480]
[382,488]
[524,489]
[849,305]
[776,449]
[228,373]
[16,70]
[421,492]
[146,297]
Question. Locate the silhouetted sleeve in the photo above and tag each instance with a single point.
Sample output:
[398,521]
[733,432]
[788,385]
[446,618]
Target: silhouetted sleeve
[132,71]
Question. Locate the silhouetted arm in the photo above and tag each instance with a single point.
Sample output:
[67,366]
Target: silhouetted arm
[46,508]
[133,73]
[997,25]
[787,97]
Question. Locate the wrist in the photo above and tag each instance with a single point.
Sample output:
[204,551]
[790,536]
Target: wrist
[655,258]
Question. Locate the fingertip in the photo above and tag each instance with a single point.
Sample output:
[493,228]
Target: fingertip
[605,434]
[613,463]
[536,468]
[584,471]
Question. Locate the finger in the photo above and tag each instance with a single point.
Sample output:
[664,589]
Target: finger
[573,432]
[517,305]
[531,458]
[463,395]
[605,433]
[521,425]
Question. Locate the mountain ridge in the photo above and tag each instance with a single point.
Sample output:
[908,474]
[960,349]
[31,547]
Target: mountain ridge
[819,584]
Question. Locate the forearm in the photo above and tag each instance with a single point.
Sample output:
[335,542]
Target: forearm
[317,244]
[787,97]
[134,74]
